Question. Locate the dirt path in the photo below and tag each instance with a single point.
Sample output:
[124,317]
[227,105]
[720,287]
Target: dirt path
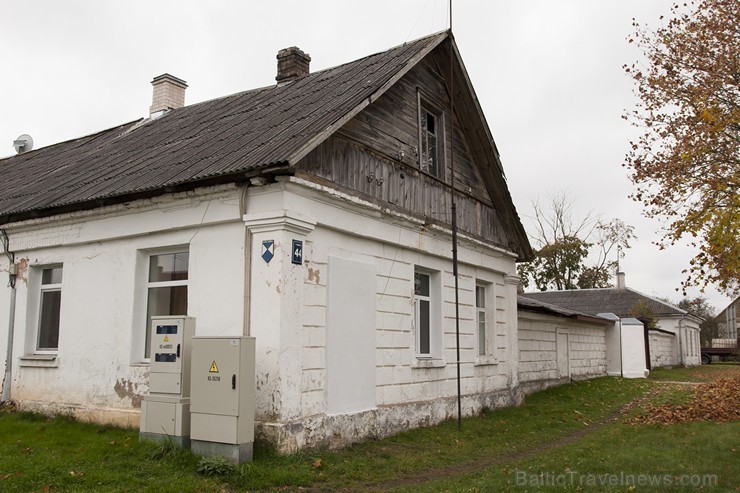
[461,469]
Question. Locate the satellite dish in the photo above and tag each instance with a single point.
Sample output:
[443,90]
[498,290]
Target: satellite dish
[22,144]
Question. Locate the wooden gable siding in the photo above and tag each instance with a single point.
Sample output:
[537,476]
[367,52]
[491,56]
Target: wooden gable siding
[397,186]
[374,155]
[390,127]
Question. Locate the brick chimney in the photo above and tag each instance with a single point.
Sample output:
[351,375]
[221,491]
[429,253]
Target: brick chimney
[169,93]
[621,283]
[292,63]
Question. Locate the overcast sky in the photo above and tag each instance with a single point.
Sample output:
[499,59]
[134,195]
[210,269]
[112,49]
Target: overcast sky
[546,72]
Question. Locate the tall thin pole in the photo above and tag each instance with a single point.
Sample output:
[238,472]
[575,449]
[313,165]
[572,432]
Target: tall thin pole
[8,379]
[453,208]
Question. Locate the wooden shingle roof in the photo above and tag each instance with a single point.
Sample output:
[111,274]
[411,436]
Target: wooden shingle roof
[218,141]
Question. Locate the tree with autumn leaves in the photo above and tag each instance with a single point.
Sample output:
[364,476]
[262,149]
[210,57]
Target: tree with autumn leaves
[686,163]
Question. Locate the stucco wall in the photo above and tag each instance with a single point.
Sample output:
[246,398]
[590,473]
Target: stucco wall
[686,346]
[538,351]
[99,372]
[4,311]
[633,348]
[408,391]
[662,349]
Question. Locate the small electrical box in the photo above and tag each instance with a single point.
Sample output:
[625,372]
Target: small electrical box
[223,394]
[169,370]
[165,410]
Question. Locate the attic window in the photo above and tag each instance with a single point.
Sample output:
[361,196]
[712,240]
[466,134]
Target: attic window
[431,139]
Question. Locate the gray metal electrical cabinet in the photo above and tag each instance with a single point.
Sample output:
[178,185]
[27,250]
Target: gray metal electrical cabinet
[222,399]
[165,410]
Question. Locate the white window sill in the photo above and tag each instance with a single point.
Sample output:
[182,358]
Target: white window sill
[40,361]
[428,363]
[485,360]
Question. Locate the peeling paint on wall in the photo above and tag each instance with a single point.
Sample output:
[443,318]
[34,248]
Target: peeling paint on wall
[314,275]
[127,389]
[117,417]
[23,270]
[421,244]
[341,430]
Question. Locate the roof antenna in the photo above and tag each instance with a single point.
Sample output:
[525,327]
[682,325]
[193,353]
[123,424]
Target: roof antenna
[23,143]
[450,15]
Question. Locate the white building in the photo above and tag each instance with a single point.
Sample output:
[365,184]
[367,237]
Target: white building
[313,215]
[671,340]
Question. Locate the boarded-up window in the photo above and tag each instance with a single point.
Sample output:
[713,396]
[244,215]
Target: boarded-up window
[350,336]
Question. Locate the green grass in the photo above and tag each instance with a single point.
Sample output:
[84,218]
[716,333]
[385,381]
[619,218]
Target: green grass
[63,455]
[551,432]
[702,373]
[620,453]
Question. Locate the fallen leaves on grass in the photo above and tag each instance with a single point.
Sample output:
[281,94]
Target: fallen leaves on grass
[715,374]
[717,401]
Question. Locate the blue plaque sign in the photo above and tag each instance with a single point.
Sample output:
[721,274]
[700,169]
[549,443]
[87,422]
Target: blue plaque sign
[297,252]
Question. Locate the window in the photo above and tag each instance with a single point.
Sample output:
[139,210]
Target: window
[431,140]
[427,315]
[49,307]
[167,289]
[480,308]
[485,323]
[423,303]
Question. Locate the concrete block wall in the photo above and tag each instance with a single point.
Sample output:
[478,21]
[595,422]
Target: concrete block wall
[538,351]
[662,349]
[587,350]
[538,358]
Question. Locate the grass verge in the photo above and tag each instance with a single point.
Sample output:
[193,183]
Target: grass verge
[564,429]
[704,373]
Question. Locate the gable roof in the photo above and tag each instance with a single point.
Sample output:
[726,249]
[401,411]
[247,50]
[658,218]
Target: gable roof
[221,138]
[230,139]
[611,300]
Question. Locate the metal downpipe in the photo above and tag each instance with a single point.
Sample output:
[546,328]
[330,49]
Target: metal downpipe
[8,379]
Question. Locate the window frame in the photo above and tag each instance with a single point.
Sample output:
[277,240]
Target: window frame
[481,312]
[433,298]
[141,303]
[51,287]
[488,355]
[426,105]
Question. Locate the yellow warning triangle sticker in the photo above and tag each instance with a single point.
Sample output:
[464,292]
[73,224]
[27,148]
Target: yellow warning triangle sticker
[166,339]
[214,367]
